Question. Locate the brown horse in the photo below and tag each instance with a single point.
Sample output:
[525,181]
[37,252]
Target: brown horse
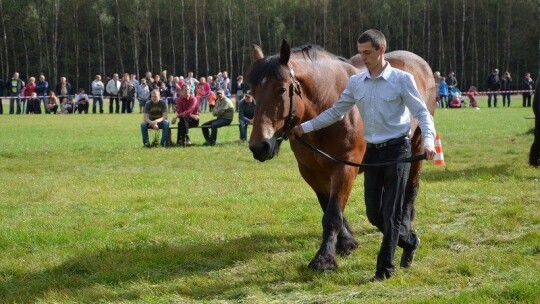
[295,86]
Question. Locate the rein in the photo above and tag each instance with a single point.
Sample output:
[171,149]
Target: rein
[289,124]
[411,159]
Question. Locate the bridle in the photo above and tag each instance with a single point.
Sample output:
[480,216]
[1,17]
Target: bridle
[294,87]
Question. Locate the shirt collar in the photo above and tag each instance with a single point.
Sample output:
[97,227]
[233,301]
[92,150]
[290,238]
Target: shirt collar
[385,74]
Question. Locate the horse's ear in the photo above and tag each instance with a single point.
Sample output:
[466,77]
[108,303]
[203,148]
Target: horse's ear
[257,53]
[284,53]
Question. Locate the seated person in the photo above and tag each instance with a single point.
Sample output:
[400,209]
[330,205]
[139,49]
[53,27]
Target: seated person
[246,111]
[34,104]
[224,112]
[81,102]
[52,103]
[67,106]
[155,117]
[187,111]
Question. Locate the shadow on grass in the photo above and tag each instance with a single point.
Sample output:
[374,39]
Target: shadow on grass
[437,176]
[109,274]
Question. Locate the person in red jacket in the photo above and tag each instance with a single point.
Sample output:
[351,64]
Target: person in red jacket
[187,112]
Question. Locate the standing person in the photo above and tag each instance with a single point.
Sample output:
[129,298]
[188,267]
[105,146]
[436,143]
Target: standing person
[16,86]
[63,89]
[29,89]
[136,84]
[113,87]
[388,98]
[506,84]
[206,90]
[187,113]
[126,93]
[224,112]
[143,94]
[2,85]
[443,92]
[155,117]
[452,83]
[42,89]
[240,89]
[246,112]
[493,85]
[97,93]
[527,84]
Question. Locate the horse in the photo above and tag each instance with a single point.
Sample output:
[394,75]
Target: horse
[295,86]
[534,153]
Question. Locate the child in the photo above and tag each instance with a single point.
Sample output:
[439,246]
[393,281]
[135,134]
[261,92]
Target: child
[211,100]
[443,93]
[471,93]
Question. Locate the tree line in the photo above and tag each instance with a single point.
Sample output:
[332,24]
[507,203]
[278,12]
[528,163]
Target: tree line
[81,38]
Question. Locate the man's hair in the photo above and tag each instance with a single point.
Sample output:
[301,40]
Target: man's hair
[376,38]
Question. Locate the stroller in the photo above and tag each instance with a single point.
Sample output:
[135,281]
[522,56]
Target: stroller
[456,99]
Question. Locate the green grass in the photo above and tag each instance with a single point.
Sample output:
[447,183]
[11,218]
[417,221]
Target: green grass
[88,215]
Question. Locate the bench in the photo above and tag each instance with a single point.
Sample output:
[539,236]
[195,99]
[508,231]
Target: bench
[175,126]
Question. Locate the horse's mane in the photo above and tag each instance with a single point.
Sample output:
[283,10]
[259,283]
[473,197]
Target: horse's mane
[271,67]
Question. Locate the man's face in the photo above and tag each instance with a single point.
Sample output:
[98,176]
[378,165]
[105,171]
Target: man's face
[155,97]
[185,91]
[249,99]
[370,56]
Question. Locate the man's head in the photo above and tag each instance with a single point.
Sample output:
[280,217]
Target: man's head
[98,77]
[81,91]
[371,47]
[42,77]
[220,93]
[185,90]
[155,96]
[115,76]
[248,97]
[495,71]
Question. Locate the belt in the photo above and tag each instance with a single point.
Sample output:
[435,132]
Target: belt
[390,142]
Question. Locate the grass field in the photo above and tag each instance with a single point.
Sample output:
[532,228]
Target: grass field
[87,215]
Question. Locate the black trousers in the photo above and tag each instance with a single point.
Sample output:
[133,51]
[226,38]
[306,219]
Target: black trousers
[214,125]
[183,127]
[116,102]
[126,105]
[526,100]
[384,194]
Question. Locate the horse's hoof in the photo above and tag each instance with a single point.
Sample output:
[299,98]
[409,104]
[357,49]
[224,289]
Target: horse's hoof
[320,262]
[346,246]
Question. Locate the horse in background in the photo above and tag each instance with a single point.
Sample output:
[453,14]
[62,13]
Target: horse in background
[295,86]
[534,154]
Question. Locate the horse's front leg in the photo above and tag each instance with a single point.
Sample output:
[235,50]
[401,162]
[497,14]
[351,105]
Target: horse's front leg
[337,235]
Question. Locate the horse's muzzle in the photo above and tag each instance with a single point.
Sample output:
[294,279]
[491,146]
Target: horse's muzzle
[265,149]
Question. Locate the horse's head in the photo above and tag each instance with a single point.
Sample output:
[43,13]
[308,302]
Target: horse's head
[275,90]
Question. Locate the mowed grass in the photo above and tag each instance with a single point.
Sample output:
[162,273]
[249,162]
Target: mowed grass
[88,215]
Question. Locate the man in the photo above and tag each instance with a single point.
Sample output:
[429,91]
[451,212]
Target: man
[493,84]
[451,81]
[126,93]
[97,91]
[2,85]
[113,87]
[42,88]
[81,102]
[155,117]
[385,97]
[15,87]
[224,112]
[246,111]
[187,111]
[63,89]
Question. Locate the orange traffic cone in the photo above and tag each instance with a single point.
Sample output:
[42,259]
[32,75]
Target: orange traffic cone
[438,160]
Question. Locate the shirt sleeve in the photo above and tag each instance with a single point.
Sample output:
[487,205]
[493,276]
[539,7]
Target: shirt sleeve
[335,113]
[418,109]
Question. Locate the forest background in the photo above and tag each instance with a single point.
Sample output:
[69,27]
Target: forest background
[81,38]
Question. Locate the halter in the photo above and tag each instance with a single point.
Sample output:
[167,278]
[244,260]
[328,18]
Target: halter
[289,122]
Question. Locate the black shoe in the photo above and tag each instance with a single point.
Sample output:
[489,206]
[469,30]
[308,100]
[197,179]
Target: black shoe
[147,145]
[407,257]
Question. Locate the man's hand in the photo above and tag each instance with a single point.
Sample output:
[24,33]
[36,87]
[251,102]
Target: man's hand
[430,153]
[296,132]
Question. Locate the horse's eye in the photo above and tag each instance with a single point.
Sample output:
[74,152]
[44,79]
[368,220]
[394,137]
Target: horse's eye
[282,91]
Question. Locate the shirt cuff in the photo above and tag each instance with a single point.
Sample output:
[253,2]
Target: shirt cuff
[307,127]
